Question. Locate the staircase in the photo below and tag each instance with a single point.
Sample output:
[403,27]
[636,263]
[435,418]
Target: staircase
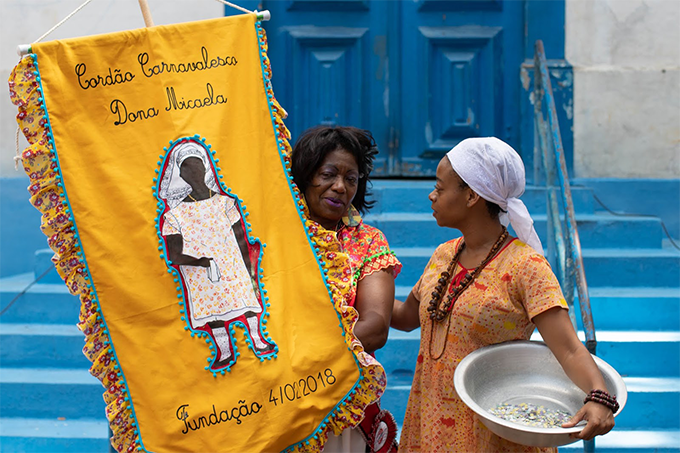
[634,281]
[50,403]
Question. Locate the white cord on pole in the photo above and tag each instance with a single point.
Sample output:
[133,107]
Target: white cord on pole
[23,49]
[63,20]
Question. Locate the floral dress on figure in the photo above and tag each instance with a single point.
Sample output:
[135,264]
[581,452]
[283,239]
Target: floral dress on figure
[515,286]
[223,291]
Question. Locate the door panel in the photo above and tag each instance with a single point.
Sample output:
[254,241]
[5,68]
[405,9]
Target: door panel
[327,5]
[325,83]
[329,63]
[421,75]
[468,55]
[460,84]
[458,5]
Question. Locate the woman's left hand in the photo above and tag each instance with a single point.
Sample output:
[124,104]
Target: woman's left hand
[599,417]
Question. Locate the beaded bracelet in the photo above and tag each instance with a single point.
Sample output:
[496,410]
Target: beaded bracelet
[604,398]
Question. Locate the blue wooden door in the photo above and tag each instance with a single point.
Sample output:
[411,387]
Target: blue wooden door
[422,75]
[461,63]
[330,65]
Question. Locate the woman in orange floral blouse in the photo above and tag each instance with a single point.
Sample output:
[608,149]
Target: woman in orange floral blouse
[481,289]
[331,166]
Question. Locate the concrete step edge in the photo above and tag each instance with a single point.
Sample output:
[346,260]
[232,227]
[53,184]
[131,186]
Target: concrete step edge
[428,183]
[85,428]
[633,385]
[609,336]
[634,291]
[629,292]
[623,440]
[35,329]
[17,283]
[426,252]
[626,336]
[427,217]
[50,376]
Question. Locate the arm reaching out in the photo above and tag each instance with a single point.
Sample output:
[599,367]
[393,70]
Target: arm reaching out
[405,314]
[558,333]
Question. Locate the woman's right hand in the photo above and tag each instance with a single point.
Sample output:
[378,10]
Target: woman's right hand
[405,315]
[204,262]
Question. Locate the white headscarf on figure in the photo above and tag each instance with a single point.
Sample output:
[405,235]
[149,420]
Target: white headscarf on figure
[496,173]
[173,188]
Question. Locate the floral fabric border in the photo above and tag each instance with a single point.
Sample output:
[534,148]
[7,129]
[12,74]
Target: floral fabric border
[41,164]
[336,267]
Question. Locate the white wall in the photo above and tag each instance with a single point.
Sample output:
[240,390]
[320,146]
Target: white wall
[626,58]
[24,21]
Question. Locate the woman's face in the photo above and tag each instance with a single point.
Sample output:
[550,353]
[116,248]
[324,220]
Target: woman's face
[192,171]
[449,197]
[332,188]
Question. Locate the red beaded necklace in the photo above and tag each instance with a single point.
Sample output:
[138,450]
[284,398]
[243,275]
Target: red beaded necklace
[439,310]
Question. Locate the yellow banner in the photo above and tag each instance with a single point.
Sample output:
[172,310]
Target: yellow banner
[208,315]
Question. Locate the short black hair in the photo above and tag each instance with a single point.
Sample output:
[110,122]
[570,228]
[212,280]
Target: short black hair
[312,147]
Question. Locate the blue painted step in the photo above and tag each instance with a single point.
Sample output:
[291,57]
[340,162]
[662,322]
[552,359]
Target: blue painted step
[59,405]
[648,361]
[42,303]
[38,435]
[44,345]
[51,393]
[650,401]
[412,196]
[595,230]
[633,441]
[607,303]
[641,353]
[631,353]
[604,267]
[640,267]
[43,262]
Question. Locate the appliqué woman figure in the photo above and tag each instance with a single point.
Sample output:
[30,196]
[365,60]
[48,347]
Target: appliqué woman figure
[206,241]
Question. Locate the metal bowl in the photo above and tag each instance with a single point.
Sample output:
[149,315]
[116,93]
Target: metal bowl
[525,372]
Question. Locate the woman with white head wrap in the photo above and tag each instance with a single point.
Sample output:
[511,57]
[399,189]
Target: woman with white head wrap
[484,288]
[496,172]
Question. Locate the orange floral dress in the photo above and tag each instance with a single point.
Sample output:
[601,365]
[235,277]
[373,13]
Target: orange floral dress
[515,286]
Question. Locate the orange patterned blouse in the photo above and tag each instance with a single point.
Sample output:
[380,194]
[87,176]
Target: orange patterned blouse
[367,248]
[515,286]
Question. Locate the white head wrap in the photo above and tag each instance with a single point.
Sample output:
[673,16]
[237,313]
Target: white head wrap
[496,173]
[173,188]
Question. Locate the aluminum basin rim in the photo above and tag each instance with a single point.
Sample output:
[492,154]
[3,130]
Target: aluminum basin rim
[486,415]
